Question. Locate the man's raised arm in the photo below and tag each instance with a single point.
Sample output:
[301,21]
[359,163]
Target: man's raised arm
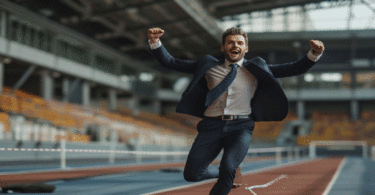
[301,66]
[162,55]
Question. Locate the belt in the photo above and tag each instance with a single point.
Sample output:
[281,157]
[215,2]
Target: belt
[229,117]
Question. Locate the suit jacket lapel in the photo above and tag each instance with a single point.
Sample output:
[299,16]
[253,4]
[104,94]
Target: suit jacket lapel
[202,72]
[259,62]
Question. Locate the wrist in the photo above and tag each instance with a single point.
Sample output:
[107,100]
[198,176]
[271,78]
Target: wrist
[152,41]
[315,53]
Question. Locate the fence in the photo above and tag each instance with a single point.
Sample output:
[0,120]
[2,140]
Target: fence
[276,153]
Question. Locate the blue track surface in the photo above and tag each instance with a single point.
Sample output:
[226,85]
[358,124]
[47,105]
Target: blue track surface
[136,182]
[356,178]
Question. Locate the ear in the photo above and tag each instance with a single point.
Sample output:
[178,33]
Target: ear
[247,49]
[222,48]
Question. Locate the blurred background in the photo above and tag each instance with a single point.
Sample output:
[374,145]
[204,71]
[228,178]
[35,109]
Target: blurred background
[82,70]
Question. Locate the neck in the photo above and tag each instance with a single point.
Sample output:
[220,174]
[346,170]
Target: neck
[239,62]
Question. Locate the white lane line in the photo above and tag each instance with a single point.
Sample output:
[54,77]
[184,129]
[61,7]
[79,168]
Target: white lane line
[181,187]
[245,173]
[265,185]
[335,176]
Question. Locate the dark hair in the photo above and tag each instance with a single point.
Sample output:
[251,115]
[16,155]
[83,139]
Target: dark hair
[233,31]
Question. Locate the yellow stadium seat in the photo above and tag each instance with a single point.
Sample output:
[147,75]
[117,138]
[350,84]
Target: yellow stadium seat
[9,103]
[4,118]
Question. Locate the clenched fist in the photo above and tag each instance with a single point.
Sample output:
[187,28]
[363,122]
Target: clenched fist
[317,46]
[154,34]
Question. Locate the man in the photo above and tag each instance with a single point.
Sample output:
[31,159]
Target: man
[230,96]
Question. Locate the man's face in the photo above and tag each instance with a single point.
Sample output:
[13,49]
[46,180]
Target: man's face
[235,48]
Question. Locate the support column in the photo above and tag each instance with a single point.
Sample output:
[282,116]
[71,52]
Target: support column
[47,85]
[28,36]
[286,20]
[354,109]
[301,110]
[45,44]
[91,56]
[156,103]
[350,16]
[304,19]
[4,21]
[133,104]
[19,34]
[1,76]
[269,22]
[86,93]
[156,106]
[65,89]
[112,100]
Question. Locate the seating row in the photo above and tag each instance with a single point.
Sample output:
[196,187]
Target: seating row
[337,126]
[71,116]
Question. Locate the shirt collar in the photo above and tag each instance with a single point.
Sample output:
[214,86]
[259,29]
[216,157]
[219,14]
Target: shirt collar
[240,63]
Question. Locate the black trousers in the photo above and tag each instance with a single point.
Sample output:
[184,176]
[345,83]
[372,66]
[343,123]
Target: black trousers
[213,136]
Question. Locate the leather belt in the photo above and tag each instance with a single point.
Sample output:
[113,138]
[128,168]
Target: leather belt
[230,117]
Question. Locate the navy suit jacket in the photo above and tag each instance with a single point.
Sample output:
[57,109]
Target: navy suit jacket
[269,102]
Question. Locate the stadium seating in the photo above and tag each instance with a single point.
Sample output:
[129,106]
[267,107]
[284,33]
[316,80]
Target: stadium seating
[9,103]
[64,116]
[4,120]
[268,131]
[338,126]
[368,115]
[75,118]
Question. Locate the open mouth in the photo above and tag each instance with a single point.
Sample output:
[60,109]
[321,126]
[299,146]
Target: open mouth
[234,54]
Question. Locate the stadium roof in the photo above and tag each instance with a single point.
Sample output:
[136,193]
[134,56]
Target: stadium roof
[191,26]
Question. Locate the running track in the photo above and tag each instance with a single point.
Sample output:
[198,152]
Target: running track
[357,176]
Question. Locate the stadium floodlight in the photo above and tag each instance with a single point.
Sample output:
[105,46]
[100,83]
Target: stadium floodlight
[309,77]
[331,77]
[146,77]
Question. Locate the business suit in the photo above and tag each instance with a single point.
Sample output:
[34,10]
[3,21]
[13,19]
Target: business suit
[269,103]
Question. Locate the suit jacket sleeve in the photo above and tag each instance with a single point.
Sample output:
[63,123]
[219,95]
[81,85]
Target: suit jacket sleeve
[166,60]
[291,69]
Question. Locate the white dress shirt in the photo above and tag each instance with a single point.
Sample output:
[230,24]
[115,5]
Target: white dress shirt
[236,99]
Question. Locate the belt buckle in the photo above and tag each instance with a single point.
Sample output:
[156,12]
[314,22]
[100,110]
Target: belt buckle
[223,117]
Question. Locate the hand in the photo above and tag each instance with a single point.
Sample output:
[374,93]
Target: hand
[317,46]
[154,34]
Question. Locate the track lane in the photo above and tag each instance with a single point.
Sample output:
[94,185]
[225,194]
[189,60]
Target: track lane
[310,177]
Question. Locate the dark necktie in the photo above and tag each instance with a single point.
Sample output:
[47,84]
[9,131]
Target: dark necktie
[216,92]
